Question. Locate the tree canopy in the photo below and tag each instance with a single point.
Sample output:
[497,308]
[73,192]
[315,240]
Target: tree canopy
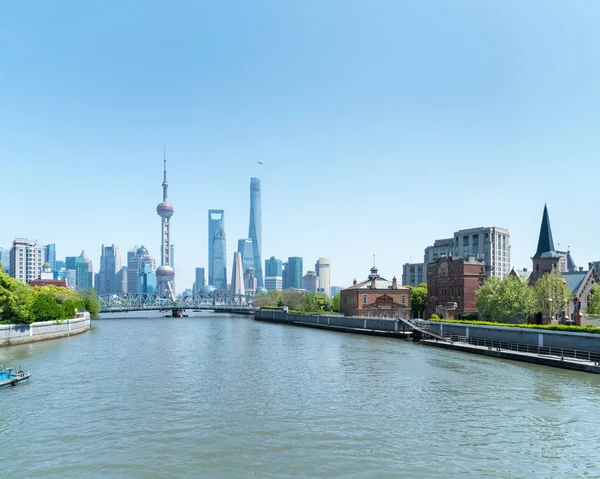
[593,305]
[298,301]
[20,303]
[418,299]
[506,300]
[551,294]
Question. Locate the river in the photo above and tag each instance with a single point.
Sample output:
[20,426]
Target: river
[225,396]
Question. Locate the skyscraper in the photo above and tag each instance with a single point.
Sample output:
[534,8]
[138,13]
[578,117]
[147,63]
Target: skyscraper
[219,263]
[50,255]
[245,248]
[310,282]
[273,274]
[237,275]
[293,273]
[165,274]
[83,272]
[255,230]
[110,265]
[322,268]
[216,219]
[137,258]
[200,280]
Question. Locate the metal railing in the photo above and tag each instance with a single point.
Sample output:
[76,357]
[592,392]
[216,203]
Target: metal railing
[562,353]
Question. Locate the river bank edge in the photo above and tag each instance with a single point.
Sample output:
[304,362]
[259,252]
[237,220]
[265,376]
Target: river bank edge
[13,334]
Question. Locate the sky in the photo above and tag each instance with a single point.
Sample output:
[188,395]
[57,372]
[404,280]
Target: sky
[382,125]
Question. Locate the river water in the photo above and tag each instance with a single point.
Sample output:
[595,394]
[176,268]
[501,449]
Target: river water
[225,396]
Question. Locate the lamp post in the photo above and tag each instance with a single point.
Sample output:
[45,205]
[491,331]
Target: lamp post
[550,312]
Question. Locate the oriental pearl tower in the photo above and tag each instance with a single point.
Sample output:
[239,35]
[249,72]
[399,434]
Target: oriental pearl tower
[165,274]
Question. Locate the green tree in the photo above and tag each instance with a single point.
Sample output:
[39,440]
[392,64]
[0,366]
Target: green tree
[507,300]
[16,300]
[418,299]
[92,303]
[551,295]
[336,302]
[593,304]
[45,307]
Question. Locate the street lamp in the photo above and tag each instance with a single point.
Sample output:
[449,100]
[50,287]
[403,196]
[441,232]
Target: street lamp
[550,307]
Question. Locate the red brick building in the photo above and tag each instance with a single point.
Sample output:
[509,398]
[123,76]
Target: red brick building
[375,297]
[451,286]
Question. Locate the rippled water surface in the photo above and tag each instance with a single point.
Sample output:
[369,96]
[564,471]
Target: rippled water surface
[225,396]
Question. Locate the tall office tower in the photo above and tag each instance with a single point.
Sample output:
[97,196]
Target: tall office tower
[165,274]
[122,279]
[83,269]
[70,276]
[255,230]
[293,273]
[26,260]
[50,255]
[136,259]
[146,280]
[413,274]
[249,281]
[110,265]
[273,274]
[310,282]
[245,248]
[216,219]
[219,263]
[237,275]
[5,259]
[323,270]
[200,280]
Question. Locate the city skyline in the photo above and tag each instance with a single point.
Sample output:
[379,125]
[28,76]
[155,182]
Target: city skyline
[331,114]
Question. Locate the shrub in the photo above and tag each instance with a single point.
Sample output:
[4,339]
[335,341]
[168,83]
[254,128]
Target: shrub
[555,327]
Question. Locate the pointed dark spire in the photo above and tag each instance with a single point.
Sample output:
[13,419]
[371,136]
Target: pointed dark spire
[545,247]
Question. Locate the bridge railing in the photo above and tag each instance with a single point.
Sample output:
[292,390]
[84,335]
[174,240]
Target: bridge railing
[153,301]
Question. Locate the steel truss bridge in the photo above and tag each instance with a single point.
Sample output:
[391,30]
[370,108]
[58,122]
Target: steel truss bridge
[219,302]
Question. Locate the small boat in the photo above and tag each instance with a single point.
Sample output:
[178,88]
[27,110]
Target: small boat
[8,378]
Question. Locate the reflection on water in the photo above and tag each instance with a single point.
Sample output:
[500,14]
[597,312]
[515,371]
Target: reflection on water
[224,396]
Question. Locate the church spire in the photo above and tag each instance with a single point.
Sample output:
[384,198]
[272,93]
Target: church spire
[545,247]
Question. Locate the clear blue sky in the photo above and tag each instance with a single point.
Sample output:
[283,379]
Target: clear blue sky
[382,125]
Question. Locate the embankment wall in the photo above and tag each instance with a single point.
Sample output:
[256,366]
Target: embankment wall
[28,333]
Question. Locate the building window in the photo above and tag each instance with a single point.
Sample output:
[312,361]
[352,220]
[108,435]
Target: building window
[403,299]
[364,299]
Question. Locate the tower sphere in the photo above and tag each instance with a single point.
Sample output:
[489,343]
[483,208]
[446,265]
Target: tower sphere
[165,209]
[166,272]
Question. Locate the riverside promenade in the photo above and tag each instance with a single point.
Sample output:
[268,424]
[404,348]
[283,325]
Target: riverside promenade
[11,334]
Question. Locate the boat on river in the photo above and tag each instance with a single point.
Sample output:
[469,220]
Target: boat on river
[8,378]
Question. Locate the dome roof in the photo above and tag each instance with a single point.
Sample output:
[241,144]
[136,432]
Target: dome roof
[208,289]
[142,250]
[260,291]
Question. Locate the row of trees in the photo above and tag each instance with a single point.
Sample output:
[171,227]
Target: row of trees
[22,304]
[297,301]
[510,300]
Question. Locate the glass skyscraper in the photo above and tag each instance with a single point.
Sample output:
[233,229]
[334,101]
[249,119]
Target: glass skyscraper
[247,252]
[292,275]
[216,218]
[50,255]
[255,230]
[219,264]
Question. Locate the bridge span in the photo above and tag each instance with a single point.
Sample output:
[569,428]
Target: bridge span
[218,302]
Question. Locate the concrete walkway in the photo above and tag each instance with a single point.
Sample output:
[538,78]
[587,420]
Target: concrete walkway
[546,360]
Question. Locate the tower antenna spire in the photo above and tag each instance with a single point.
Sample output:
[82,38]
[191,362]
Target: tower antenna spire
[165,184]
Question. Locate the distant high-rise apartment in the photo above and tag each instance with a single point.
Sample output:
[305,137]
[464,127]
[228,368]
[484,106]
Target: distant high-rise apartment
[249,281]
[255,229]
[310,282]
[216,219]
[292,273]
[110,264]
[219,262]
[273,274]
[50,255]
[247,251]
[26,260]
[488,244]
[200,280]
[413,274]
[237,274]
[323,270]
[5,259]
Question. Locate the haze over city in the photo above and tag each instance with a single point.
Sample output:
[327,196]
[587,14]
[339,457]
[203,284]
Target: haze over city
[380,127]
